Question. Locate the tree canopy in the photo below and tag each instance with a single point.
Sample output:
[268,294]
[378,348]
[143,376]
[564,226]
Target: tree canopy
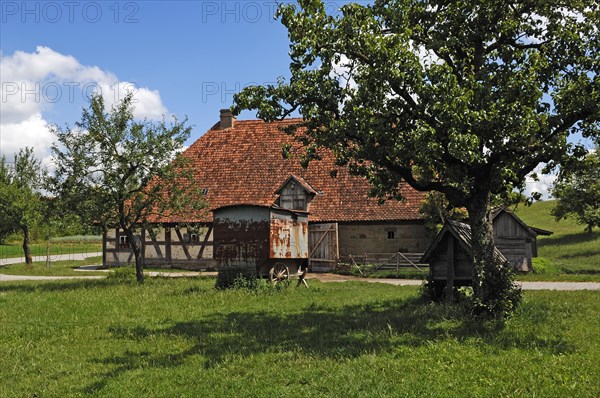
[461,97]
[115,171]
[21,204]
[577,190]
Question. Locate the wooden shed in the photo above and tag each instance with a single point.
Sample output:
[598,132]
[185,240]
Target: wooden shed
[516,240]
[450,256]
[263,238]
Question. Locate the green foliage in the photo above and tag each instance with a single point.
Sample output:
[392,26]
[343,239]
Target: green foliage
[21,204]
[246,280]
[577,190]
[227,276]
[186,339]
[465,98]
[254,284]
[501,296]
[112,170]
[436,210]
[544,266]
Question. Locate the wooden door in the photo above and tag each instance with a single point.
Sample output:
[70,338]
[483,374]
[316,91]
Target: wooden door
[323,246]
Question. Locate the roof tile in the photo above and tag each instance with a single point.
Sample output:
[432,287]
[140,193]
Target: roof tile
[245,165]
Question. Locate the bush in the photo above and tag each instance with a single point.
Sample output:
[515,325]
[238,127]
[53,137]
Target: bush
[542,265]
[246,280]
[500,296]
[228,275]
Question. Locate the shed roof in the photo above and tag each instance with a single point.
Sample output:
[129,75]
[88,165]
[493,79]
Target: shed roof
[532,230]
[244,164]
[462,233]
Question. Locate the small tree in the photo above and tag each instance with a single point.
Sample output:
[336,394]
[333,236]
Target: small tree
[21,205]
[115,171]
[465,98]
[577,190]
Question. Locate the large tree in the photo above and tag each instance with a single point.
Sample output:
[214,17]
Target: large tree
[577,190]
[461,97]
[21,204]
[116,171]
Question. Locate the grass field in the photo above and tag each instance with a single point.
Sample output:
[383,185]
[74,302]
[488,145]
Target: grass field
[56,268]
[182,338]
[15,250]
[569,250]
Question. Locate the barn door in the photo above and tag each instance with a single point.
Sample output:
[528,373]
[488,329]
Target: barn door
[323,246]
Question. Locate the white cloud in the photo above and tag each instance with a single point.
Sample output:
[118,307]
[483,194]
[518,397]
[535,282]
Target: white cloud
[543,186]
[29,132]
[32,83]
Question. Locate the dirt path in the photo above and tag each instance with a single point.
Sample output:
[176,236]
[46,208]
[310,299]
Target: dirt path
[415,282]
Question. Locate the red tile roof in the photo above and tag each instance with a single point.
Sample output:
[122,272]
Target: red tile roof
[245,165]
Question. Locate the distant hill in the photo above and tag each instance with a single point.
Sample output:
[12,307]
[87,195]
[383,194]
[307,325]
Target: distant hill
[569,249]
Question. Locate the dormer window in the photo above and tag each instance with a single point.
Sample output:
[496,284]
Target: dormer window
[295,194]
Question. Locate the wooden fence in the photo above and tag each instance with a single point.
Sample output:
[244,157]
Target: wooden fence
[368,263]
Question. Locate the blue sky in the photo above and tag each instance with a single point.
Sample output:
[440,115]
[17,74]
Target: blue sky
[185,58]
[182,58]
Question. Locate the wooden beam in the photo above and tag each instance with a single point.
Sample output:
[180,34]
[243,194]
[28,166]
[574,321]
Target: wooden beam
[168,244]
[183,245]
[205,241]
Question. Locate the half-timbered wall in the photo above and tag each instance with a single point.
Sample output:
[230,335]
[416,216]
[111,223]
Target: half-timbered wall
[183,248]
[179,247]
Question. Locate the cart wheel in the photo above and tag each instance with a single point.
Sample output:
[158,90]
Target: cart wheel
[279,273]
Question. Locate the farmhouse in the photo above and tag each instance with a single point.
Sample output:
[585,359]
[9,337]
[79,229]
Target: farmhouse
[241,163]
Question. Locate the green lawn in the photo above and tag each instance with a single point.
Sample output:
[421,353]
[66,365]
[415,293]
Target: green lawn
[182,338]
[56,268]
[14,250]
[569,250]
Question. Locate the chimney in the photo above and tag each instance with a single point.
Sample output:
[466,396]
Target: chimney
[227,119]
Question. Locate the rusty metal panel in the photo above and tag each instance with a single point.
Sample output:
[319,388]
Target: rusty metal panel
[241,236]
[288,235]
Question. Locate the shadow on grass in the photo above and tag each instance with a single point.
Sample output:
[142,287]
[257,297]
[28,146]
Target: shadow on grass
[321,332]
[570,239]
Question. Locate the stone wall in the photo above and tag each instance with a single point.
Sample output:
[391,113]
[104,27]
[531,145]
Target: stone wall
[357,239]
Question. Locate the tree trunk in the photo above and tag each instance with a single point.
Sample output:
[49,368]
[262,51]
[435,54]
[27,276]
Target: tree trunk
[482,241]
[137,254]
[495,293]
[26,248]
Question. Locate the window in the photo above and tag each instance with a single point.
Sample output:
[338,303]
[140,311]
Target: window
[391,234]
[190,238]
[123,242]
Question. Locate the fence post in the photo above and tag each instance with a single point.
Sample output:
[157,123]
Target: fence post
[47,254]
[397,264]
